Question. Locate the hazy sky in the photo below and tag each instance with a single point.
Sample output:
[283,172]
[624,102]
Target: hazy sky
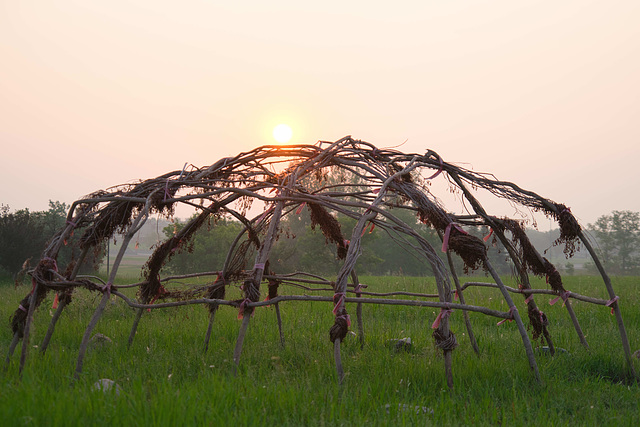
[545,94]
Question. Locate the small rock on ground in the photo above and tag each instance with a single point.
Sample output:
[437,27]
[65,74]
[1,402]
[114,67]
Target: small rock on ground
[401,344]
[404,408]
[107,385]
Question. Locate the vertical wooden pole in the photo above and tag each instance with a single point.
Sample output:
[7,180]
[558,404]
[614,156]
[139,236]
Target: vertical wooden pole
[207,337]
[465,313]
[135,226]
[279,324]
[27,326]
[516,316]
[615,306]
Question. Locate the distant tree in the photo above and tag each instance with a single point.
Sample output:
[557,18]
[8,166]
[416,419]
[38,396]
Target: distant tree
[569,269]
[618,238]
[208,248]
[24,235]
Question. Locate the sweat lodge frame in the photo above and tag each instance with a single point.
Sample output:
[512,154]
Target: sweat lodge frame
[387,180]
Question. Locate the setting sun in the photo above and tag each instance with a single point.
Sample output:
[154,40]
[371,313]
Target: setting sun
[282,133]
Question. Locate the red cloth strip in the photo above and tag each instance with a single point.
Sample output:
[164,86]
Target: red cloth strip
[444,312]
[337,304]
[610,303]
[510,319]
[243,307]
[439,171]
[565,296]
[447,235]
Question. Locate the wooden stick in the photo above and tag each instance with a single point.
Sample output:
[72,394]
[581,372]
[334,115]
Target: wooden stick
[212,315]
[134,327]
[338,360]
[465,313]
[356,285]
[63,304]
[279,324]
[87,333]
[261,259]
[615,305]
[54,319]
[12,348]
[516,316]
[238,349]
[135,226]
[27,326]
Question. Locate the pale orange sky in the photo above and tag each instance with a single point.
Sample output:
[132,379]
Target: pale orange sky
[545,94]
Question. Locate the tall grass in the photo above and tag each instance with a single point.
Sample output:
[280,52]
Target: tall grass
[167,379]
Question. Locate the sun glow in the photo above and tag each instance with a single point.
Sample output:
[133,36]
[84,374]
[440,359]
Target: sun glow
[282,133]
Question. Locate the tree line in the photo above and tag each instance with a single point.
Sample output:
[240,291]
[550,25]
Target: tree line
[24,235]
[300,247]
[618,241]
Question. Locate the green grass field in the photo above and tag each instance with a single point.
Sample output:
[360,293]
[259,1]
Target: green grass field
[167,379]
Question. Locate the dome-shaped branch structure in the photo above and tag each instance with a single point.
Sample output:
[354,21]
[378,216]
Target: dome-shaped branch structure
[287,179]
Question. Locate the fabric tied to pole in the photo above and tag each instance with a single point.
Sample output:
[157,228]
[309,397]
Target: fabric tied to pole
[510,318]
[243,307]
[447,235]
[336,304]
[439,171]
[161,291]
[444,313]
[565,296]
[21,307]
[55,302]
[611,302]
[259,266]
[528,299]
[488,236]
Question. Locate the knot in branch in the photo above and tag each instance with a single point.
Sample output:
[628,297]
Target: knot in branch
[444,343]
[340,327]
